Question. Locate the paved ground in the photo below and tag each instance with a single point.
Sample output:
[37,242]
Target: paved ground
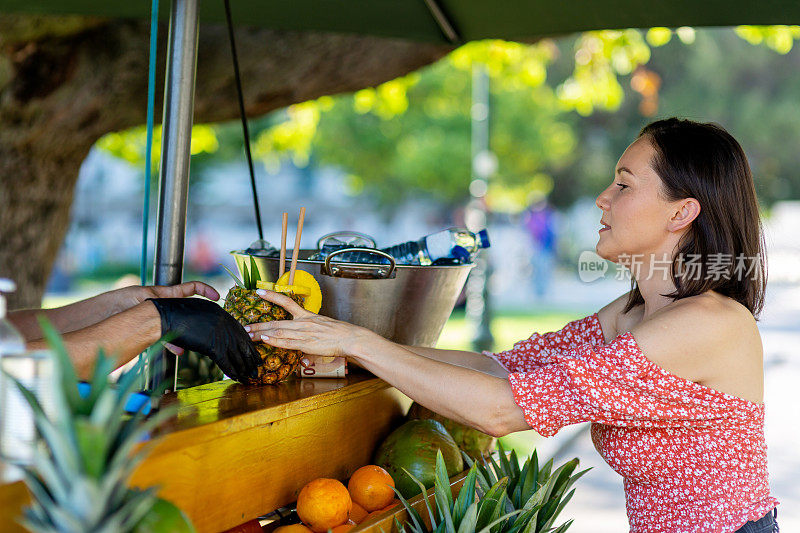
[598,505]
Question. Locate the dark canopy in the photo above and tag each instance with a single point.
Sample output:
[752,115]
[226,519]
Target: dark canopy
[433,20]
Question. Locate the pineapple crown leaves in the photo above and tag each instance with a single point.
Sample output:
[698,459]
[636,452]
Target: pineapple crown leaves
[78,477]
[539,493]
[465,514]
[250,275]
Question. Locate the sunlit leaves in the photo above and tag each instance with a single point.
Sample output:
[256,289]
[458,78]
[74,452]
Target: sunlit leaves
[130,144]
[600,58]
[411,136]
[658,36]
[387,100]
[779,38]
[293,136]
[686,34]
[509,63]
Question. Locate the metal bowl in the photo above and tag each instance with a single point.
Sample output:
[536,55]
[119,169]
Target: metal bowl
[407,304]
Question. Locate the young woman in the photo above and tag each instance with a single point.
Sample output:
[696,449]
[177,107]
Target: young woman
[670,373]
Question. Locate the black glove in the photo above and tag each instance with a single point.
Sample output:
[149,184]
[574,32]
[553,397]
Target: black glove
[204,327]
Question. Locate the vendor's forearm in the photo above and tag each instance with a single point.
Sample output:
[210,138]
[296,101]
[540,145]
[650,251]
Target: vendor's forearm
[473,360]
[122,336]
[72,317]
[471,397]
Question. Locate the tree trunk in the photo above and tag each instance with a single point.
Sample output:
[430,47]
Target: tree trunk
[65,82]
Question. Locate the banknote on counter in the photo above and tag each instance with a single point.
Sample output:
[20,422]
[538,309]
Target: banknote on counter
[321,366]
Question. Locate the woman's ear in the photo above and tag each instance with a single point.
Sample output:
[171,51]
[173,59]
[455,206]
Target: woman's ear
[687,211]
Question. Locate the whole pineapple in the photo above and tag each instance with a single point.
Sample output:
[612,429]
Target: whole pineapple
[87,451]
[247,307]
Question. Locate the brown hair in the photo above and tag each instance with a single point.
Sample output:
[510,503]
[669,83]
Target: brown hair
[703,161]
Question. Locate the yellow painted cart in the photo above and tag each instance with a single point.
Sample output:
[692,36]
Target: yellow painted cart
[235,453]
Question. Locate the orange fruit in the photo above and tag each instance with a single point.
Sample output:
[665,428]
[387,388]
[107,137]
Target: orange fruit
[344,528]
[371,487]
[393,503]
[357,513]
[292,528]
[324,504]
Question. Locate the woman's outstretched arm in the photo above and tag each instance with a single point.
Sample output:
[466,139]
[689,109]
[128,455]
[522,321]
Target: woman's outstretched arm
[469,396]
[472,360]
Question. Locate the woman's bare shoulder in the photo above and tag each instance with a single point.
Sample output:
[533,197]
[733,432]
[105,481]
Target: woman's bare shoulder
[709,339]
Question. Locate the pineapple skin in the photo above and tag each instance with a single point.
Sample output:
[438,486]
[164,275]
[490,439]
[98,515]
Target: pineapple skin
[247,307]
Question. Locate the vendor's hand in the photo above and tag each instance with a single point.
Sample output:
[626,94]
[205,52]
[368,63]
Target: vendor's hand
[310,333]
[127,297]
[206,328]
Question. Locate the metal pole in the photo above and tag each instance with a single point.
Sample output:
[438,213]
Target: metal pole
[483,166]
[176,137]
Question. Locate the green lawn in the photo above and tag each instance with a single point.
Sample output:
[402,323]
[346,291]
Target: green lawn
[507,329]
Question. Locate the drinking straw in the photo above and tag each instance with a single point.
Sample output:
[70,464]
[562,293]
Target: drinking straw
[282,264]
[296,250]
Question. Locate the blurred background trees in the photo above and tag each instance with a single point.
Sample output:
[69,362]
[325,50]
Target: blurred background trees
[563,110]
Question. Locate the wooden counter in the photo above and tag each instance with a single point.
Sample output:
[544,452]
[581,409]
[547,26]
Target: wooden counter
[234,452]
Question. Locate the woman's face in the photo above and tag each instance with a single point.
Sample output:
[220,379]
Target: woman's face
[635,215]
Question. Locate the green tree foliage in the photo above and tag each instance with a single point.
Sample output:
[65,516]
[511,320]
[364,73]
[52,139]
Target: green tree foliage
[411,136]
[719,77]
[562,111]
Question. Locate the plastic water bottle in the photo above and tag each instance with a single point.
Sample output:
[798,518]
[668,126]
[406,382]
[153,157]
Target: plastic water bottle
[17,430]
[11,341]
[453,245]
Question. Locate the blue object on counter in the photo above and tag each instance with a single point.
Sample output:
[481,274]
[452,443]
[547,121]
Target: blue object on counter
[137,402]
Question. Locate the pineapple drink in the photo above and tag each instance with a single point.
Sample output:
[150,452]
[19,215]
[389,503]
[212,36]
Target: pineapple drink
[247,307]
[305,285]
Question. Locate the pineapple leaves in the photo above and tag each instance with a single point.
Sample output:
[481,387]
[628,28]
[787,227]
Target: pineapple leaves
[92,446]
[498,496]
[499,520]
[246,277]
[466,497]
[504,464]
[442,493]
[67,375]
[255,275]
[424,497]
[102,369]
[492,504]
[535,493]
[78,477]
[63,451]
[250,274]
[563,527]
[234,276]
[416,519]
[470,518]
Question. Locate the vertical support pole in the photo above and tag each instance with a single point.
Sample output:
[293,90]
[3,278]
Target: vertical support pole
[484,164]
[176,137]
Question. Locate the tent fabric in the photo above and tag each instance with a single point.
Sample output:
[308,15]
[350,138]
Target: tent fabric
[471,19]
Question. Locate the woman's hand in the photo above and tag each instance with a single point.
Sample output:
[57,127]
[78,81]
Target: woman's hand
[310,333]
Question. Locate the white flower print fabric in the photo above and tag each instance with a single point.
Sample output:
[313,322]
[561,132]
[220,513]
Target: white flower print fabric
[693,459]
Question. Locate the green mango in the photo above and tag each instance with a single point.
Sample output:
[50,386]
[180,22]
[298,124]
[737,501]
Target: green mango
[475,443]
[413,447]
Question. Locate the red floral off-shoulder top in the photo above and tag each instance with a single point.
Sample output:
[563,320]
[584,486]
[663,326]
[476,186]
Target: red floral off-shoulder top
[693,459]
